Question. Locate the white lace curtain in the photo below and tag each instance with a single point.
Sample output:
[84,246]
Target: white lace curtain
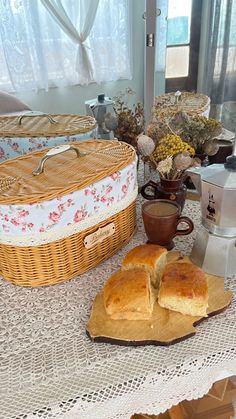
[87,12]
[51,43]
[219,81]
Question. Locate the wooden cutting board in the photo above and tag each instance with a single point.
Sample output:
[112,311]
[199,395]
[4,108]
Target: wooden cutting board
[164,328]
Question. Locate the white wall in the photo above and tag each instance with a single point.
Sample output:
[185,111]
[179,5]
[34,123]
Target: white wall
[71,99]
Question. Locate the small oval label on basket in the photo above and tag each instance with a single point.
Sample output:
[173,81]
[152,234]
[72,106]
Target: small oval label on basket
[99,235]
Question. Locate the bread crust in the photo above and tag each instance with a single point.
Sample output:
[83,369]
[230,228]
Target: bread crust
[150,257]
[145,255]
[184,288]
[127,295]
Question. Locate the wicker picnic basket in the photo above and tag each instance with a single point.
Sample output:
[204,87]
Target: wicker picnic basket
[35,130]
[64,210]
[191,103]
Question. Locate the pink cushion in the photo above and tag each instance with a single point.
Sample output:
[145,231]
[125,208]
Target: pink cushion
[9,104]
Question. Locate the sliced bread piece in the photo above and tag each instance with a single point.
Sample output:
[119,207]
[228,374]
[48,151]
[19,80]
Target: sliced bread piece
[184,289]
[148,256]
[128,295]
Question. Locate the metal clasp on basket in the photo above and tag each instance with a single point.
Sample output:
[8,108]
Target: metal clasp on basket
[53,152]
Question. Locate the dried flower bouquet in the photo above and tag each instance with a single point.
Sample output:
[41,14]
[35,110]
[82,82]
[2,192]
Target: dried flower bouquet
[172,157]
[130,120]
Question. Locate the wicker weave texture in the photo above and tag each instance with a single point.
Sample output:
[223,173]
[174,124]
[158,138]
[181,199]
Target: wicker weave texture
[64,173]
[40,125]
[63,259]
[191,103]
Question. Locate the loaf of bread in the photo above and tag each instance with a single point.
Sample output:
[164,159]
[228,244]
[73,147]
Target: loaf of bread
[184,288]
[127,295]
[148,256]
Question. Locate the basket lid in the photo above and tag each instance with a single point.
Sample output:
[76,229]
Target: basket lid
[66,168]
[39,124]
[188,102]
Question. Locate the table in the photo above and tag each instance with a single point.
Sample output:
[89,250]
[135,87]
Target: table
[50,369]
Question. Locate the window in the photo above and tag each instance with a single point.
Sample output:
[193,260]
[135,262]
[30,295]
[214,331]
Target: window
[35,53]
[178,38]
[183,37]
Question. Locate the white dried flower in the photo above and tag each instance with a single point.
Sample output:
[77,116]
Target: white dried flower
[211,148]
[182,161]
[145,145]
[164,166]
[196,162]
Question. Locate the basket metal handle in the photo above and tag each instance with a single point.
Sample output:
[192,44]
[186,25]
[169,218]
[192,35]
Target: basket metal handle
[178,97]
[36,113]
[53,152]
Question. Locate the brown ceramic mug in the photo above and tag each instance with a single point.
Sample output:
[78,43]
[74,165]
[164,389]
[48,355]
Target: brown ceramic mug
[161,218]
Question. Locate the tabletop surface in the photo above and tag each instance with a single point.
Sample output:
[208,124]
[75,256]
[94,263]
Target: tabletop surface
[50,369]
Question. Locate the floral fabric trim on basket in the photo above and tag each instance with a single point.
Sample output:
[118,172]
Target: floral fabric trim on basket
[44,222]
[15,147]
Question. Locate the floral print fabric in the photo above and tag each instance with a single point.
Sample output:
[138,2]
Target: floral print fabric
[15,147]
[70,209]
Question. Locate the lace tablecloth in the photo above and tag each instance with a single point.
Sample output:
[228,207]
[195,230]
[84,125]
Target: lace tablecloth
[50,369]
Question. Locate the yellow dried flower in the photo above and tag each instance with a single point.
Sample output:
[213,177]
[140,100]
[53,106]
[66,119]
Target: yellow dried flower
[170,145]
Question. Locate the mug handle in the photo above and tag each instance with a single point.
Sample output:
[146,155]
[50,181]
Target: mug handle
[149,184]
[187,230]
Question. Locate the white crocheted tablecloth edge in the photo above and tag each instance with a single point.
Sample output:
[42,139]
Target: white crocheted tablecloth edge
[148,398]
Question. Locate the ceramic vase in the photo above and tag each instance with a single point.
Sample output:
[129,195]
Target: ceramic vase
[173,190]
